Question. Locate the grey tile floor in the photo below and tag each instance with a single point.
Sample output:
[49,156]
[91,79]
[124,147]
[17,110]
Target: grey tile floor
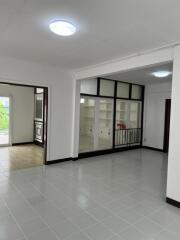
[112,197]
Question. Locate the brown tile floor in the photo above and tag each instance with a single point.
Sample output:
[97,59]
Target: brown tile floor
[22,156]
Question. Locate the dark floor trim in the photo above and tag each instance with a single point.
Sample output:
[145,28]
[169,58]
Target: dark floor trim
[152,148]
[108,151]
[61,160]
[173,202]
[92,154]
[22,143]
[58,161]
[101,152]
[38,143]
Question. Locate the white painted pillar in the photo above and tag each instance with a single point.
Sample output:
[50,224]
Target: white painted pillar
[76,119]
[173,180]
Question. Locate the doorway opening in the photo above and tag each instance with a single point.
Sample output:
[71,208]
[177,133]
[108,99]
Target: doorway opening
[167,125]
[4,121]
[23,126]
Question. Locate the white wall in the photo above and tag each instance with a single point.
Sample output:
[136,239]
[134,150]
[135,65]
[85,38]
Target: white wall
[60,85]
[154,113]
[22,107]
[173,181]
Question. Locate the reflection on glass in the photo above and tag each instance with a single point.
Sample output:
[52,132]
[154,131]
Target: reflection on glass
[87,122]
[105,124]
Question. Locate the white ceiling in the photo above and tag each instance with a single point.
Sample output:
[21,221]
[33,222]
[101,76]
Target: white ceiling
[143,76]
[107,29]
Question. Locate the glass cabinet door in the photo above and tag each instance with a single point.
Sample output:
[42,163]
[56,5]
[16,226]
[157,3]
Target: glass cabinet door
[135,114]
[96,124]
[87,124]
[128,122]
[105,123]
[122,122]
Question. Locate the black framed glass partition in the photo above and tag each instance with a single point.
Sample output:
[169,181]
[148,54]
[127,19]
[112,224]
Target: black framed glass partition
[115,120]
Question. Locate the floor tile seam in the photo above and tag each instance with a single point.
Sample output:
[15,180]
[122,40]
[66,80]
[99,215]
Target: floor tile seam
[84,231]
[50,201]
[101,221]
[162,229]
[15,220]
[173,233]
[38,215]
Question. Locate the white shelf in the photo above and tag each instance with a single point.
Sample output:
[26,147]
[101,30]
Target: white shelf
[118,110]
[107,119]
[105,110]
[106,103]
[89,106]
[89,117]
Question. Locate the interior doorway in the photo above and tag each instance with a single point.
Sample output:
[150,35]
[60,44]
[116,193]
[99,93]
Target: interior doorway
[167,124]
[4,121]
[23,126]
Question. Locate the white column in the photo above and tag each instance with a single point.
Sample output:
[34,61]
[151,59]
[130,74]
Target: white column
[76,119]
[173,180]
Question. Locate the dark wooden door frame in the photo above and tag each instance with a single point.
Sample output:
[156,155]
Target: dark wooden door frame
[167,124]
[45,106]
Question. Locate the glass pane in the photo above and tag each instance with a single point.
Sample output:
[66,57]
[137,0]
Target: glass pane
[135,116]
[87,124]
[4,120]
[122,122]
[122,112]
[39,90]
[107,88]
[105,124]
[128,122]
[136,92]
[89,86]
[39,107]
[122,90]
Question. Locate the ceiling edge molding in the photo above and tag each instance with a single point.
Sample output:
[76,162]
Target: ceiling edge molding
[139,60]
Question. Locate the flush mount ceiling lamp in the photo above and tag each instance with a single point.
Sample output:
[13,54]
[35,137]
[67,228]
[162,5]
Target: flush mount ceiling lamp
[62,28]
[161,74]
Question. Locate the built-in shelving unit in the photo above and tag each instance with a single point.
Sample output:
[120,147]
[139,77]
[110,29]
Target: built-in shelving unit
[111,114]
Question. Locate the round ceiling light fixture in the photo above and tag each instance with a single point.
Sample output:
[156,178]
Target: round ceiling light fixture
[62,28]
[161,74]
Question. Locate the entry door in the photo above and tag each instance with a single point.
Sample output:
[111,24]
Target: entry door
[4,121]
[96,124]
[167,124]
